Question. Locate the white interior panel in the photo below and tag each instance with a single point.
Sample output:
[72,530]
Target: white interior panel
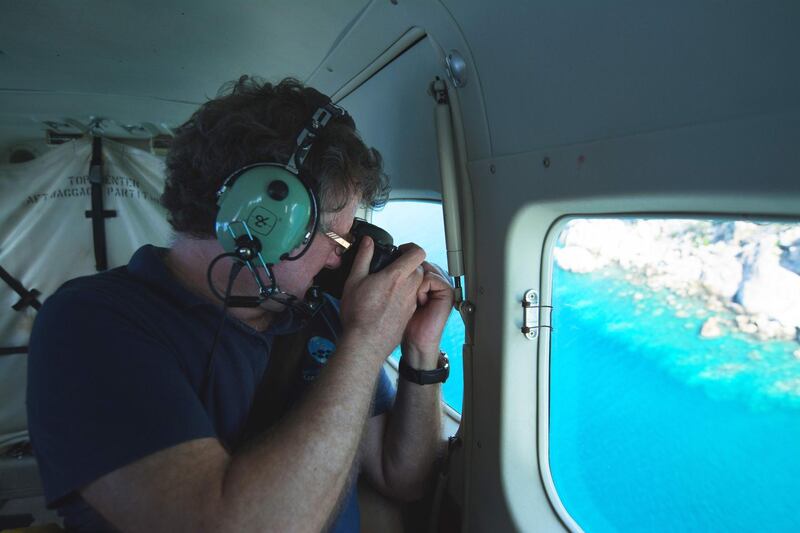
[743,167]
[558,73]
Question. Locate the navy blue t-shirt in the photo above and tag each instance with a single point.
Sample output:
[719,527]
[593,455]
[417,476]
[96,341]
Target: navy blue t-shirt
[116,372]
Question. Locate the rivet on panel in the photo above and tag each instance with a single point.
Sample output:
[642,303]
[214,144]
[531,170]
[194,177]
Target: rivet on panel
[546,162]
[492,169]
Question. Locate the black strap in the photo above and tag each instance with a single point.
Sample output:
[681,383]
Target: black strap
[98,214]
[13,350]
[275,396]
[27,297]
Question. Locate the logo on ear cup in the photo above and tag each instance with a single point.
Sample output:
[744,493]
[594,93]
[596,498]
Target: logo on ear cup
[261,220]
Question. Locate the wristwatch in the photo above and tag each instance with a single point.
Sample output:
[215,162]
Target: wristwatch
[426,377]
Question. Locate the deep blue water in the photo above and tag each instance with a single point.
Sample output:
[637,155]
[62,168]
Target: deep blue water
[655,429]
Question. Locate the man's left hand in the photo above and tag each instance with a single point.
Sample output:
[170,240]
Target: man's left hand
[424,331]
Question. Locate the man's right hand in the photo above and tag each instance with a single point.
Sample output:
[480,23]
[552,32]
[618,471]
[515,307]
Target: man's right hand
[377,307]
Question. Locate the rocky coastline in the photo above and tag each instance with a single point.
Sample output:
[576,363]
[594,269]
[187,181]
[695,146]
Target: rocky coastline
[747,274]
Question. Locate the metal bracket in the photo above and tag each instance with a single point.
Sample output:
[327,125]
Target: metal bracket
[467,311]
[530,314]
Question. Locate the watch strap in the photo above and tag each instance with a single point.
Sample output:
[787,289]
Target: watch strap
[426,377]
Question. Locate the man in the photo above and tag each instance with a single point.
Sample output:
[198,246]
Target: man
[128,430]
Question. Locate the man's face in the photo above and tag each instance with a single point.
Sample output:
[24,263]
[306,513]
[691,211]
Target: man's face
[296,277]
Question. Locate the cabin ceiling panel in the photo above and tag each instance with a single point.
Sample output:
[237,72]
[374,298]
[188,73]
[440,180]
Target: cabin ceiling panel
[180,50]
[556,73]
[15,108]
[145,61]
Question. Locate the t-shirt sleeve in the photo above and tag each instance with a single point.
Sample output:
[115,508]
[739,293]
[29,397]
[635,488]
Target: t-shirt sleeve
[103,392]
[384,394]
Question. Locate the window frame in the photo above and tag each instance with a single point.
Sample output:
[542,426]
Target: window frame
[544,340]
[544,345]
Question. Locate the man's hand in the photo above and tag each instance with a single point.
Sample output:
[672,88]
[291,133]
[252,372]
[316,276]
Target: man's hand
[400,448]
[376,307]
[424,330]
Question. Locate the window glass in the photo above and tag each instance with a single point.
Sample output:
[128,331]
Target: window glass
[421,222]
[675,375]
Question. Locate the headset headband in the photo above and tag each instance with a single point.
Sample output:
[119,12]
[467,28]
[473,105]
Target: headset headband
[309,133]
[303,144]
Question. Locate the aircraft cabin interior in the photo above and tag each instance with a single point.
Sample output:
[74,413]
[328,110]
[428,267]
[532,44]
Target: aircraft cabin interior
[613,188]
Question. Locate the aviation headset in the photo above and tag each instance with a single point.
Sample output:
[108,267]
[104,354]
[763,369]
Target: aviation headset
[266,210]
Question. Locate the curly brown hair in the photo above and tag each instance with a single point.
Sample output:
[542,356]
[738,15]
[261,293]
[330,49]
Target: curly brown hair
[252,121]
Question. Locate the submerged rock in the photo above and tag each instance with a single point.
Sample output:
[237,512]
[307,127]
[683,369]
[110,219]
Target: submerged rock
[712,328]
[745,326]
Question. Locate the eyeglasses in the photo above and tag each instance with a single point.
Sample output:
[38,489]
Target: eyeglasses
[342,244]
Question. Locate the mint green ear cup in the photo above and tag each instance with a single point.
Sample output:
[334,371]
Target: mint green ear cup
[270,203]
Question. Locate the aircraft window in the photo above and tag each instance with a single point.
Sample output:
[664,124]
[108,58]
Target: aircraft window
[421,221]
[675,374]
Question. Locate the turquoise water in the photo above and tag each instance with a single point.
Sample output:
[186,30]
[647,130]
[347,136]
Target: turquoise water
[654,428]
[421,222]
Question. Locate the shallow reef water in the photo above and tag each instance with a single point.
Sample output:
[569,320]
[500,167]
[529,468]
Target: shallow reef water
[656,428]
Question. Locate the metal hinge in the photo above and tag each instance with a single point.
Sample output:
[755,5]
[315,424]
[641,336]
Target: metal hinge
[530,314]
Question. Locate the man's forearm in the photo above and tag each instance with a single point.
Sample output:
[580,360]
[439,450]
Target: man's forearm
[412,439]
[292,479]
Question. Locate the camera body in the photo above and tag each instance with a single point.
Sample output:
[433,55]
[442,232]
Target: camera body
[384,252]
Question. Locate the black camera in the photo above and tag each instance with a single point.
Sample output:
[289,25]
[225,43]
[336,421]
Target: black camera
[384,252]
